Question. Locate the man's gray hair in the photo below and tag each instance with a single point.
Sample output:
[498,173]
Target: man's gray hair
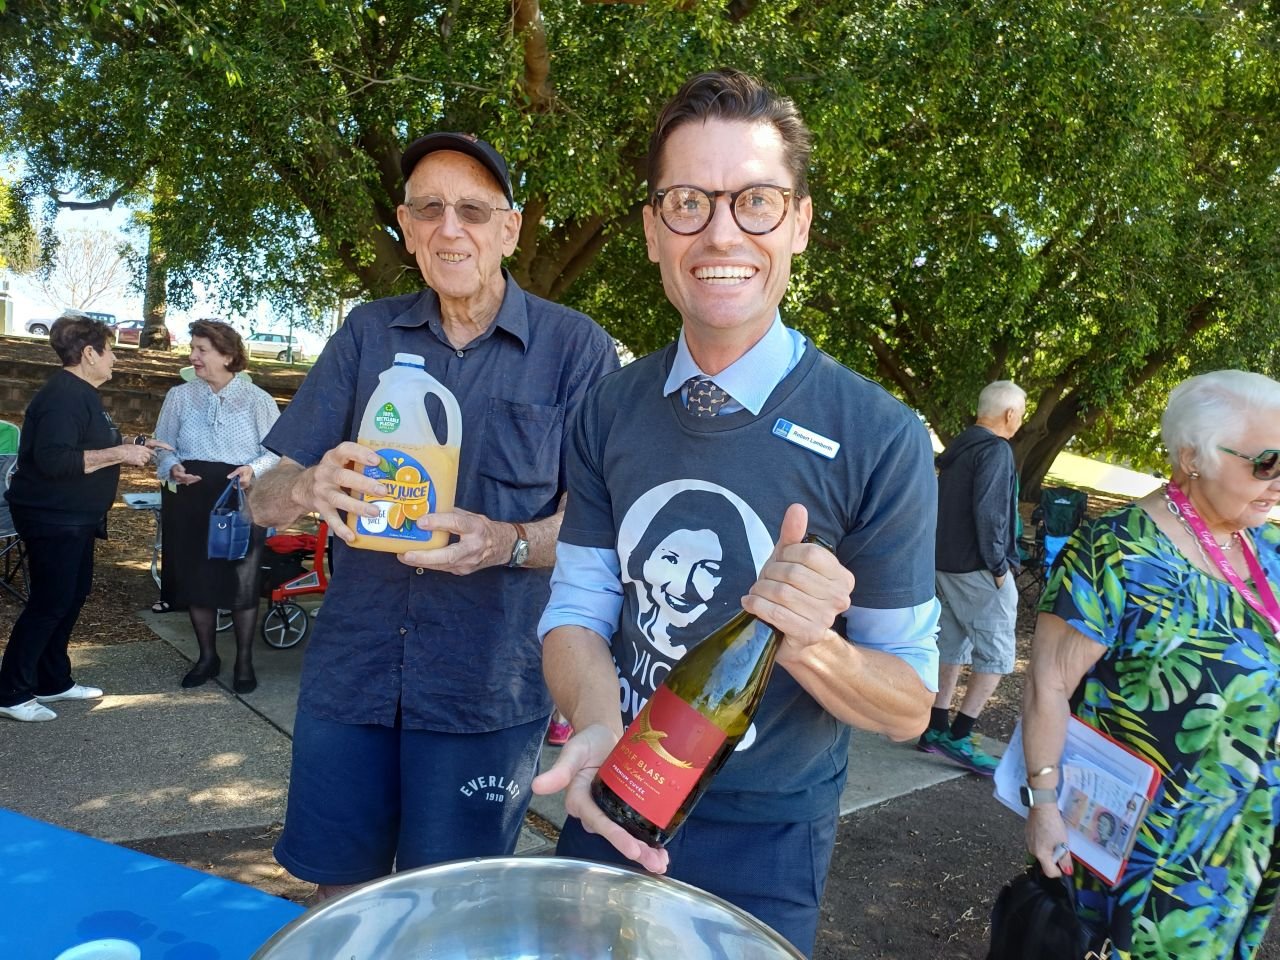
[998,396]
[1204,411]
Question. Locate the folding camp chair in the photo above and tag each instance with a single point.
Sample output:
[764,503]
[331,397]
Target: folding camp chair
[13,555]
[1060,511]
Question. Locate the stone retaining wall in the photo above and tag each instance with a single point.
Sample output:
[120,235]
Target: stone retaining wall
[130,398]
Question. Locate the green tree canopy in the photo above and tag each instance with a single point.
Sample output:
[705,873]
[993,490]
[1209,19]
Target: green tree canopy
[1080,197]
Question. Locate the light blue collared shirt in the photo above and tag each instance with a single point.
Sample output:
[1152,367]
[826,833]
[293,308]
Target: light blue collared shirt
[751,378]
[586,585]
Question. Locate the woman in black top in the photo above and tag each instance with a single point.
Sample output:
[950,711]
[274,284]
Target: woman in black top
[69,460]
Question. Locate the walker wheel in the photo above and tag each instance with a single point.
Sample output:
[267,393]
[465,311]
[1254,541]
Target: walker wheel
[285,625]
[224,622]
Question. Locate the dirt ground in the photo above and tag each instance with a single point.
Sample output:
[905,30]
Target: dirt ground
[914,877]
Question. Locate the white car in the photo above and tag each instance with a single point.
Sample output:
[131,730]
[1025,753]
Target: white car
[41,328]
[274,345]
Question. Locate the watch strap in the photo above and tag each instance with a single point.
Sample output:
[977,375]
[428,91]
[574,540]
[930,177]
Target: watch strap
[1037,796]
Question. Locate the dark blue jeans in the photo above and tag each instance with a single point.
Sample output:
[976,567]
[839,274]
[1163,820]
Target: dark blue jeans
[60,568]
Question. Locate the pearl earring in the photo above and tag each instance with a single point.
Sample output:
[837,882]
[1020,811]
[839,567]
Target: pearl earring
[1195,475]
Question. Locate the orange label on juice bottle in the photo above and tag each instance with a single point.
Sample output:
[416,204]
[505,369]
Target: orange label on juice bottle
[416,485]
[661,757]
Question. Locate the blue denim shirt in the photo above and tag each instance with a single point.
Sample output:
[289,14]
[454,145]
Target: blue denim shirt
[455,654]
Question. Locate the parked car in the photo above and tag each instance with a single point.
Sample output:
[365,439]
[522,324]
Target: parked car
[130,331]
[40,328]
[274,345]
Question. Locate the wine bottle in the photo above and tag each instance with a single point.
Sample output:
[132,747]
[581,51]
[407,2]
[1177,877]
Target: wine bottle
[686,732]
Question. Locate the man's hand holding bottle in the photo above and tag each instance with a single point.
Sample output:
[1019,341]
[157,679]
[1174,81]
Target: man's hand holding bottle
[573,772]
[802,588]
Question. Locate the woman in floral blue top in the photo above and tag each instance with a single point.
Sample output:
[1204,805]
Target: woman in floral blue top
[1159,628]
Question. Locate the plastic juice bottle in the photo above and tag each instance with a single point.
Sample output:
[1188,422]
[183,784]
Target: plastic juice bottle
[419,471]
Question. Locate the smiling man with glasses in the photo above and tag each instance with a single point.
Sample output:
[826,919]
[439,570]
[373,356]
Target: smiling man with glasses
[684,467]
[422,707]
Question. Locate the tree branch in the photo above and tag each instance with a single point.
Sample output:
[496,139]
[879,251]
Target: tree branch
[527,245]
[528,26]
[106,203]
[588,250]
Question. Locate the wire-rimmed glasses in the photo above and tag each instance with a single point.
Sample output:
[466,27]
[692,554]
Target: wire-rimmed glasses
[431,209]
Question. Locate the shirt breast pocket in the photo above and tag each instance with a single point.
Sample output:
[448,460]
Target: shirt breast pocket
[521,453]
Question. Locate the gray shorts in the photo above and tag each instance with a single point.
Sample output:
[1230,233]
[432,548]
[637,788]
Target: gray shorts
[977,620]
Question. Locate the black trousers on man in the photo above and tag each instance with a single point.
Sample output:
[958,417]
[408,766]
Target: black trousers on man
[60,575]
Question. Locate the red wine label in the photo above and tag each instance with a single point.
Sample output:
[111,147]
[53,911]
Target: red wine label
[661,757]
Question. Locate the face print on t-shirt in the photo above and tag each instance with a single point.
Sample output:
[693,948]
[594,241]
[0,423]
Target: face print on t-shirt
[689,551]
[681,575]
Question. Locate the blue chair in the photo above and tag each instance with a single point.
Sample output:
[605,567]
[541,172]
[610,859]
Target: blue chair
[1060,511]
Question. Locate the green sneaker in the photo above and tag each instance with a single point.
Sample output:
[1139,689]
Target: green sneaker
[928,742]
[966,752]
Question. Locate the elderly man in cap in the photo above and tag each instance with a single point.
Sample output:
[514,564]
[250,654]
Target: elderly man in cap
[422,707]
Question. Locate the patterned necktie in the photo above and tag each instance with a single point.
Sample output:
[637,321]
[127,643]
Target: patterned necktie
[705,399]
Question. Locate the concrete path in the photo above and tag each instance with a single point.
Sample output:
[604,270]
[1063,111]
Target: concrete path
[152,759]
[149,759]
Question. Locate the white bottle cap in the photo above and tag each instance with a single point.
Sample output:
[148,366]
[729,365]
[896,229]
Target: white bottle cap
[410,360]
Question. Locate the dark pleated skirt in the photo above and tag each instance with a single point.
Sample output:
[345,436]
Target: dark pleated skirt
[191,578]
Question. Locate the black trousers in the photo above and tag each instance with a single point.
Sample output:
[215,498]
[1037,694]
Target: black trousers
[60,564]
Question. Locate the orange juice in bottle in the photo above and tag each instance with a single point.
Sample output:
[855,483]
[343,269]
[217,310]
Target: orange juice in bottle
[419,471]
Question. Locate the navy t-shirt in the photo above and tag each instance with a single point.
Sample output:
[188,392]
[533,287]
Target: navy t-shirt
[454,654]
[692,506]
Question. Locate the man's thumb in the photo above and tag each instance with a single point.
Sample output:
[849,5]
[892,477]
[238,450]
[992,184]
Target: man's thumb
[795,522]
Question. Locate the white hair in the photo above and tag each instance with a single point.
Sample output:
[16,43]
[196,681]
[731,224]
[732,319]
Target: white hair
[1203,411]
[998,396]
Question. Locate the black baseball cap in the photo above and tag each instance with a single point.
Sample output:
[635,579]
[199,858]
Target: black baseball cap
[466,143]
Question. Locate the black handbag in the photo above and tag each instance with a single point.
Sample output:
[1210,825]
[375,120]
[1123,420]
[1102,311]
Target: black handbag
[229,525]
[1035,918]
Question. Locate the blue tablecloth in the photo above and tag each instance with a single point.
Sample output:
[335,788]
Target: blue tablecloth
[59,889]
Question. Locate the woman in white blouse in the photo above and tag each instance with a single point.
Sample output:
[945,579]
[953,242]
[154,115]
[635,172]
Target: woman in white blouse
[215,424]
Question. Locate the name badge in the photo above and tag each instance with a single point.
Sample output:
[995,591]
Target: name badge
[801,437]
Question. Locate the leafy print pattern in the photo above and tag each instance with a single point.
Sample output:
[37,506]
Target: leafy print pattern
[1190,680]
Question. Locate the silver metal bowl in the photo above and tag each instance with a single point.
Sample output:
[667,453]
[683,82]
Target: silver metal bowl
[526,908]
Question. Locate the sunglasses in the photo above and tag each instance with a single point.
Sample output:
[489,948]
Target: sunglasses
[431,209]
[1266,465]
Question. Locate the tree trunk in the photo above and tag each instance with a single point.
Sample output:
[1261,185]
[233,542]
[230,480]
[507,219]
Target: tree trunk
[155,301]
[1043,436]
[155,295]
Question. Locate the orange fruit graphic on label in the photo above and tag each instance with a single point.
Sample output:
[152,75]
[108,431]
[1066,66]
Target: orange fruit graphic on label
[408,475]
[413,509]
[395,516]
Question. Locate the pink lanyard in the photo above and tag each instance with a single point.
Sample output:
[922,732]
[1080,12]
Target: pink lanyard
[1264,602]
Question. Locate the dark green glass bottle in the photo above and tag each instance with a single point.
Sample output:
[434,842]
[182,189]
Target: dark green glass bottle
[686,732]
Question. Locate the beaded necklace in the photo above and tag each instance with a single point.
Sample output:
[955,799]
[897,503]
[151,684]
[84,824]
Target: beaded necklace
[1224,547]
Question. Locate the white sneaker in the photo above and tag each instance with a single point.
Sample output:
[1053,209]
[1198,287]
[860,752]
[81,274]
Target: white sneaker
[32,710]
[77,691]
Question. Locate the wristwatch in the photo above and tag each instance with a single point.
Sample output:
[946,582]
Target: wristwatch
[1037,796]
[520,550]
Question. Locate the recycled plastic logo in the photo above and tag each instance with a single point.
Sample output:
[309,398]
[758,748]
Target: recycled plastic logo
[387,419]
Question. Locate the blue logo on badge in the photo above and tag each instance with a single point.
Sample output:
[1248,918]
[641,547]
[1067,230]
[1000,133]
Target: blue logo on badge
[782,428]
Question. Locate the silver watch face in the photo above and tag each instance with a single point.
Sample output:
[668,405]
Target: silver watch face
[520,553]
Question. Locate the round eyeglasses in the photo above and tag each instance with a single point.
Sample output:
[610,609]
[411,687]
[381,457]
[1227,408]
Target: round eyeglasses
[431,209]
[757,209]
[1266,465]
